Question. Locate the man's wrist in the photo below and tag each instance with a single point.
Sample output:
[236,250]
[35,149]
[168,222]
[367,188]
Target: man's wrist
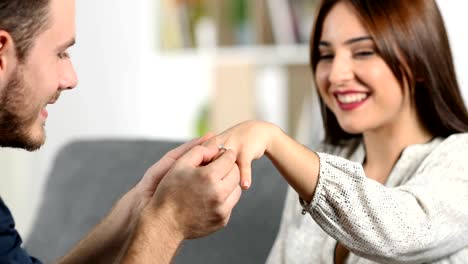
[128,208]
[153,225]
[154,240]
[162,222]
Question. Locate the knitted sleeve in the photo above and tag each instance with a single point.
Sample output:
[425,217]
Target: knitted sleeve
[422,220]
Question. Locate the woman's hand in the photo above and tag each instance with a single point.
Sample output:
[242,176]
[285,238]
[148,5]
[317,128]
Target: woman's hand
[250,140]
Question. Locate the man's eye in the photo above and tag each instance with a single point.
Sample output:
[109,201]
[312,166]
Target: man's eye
[64,55]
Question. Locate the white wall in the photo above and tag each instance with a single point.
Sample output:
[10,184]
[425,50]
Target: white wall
[127,89]
[454,13]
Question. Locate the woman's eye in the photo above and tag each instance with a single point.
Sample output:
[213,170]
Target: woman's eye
[363,54]
[326,56]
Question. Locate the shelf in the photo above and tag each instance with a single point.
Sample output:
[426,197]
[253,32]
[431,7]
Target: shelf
[259,55]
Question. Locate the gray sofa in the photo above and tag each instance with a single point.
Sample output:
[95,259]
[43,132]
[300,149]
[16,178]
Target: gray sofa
[89,176]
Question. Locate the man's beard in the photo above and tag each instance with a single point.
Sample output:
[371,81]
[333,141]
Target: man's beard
[17,117]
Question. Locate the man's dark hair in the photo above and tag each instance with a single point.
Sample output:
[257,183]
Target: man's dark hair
[24,20]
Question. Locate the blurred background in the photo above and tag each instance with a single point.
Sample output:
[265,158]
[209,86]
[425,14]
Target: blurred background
[174,69]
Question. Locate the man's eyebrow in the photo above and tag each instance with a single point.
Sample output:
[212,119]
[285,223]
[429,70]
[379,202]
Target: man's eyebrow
[67,44]
[347,42]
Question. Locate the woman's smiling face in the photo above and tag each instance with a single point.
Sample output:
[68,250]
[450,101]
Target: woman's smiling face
[353,80]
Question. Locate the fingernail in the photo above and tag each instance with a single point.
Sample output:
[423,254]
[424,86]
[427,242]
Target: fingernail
[246,184]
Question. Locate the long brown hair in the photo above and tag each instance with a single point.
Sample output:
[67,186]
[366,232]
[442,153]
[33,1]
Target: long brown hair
[410,37]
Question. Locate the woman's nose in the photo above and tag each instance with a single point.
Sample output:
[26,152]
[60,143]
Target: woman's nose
[341,70]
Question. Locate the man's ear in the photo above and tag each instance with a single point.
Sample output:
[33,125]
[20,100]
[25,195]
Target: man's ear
[8,59]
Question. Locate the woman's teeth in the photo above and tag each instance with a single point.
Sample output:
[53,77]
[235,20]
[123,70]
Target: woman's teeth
[351,98]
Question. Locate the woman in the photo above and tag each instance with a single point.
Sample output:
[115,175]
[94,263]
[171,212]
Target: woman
[390,182]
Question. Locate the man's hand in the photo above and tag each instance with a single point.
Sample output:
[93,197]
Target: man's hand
[192,200]
[200,199]
[108,241]
[146,187]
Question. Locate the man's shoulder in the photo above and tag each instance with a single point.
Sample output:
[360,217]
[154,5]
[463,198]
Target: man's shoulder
[8,232]
[10,241]
[5,214]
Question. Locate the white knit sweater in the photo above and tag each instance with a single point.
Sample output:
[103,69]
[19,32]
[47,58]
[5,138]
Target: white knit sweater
[419,216]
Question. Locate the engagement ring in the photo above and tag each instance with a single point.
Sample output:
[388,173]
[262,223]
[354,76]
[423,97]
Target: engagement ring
[221,147]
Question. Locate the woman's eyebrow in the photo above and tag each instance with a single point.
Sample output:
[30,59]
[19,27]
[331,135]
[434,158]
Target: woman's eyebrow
[347,42]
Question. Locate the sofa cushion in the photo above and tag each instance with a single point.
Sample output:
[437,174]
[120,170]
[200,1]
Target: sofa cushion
[88,177]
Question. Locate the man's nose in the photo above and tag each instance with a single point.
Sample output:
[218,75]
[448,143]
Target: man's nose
[68,79]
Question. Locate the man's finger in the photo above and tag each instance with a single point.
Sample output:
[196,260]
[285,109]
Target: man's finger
[214,142]
[198,155]
[232,200]
[223,163]
[231,180]
[182,149]
[164,165]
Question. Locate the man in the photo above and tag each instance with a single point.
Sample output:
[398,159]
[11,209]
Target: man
[189,193]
